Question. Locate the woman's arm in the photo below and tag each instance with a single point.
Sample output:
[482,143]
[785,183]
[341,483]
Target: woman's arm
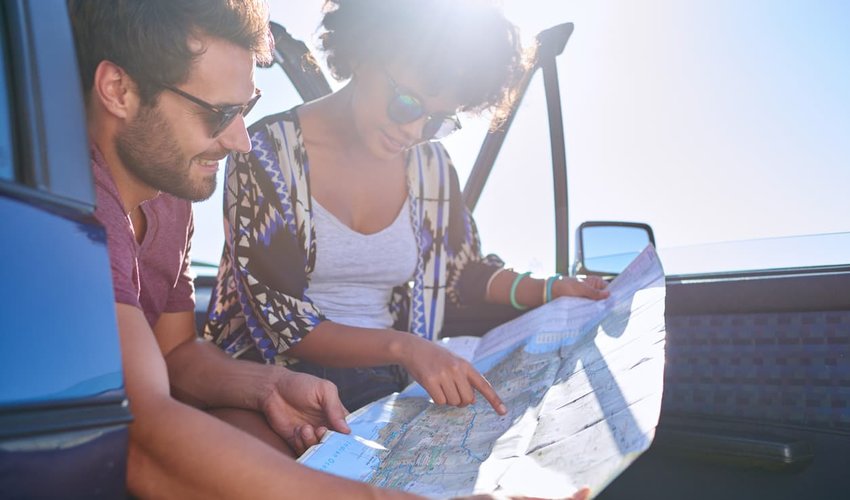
[447,378]
[474,278]
[531,292]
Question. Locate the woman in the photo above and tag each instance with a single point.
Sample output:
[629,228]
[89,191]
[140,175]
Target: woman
[345,200]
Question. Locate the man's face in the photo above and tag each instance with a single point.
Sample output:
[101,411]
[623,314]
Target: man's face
[168,145]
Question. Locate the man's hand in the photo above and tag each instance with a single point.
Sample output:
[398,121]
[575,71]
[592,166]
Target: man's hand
[447,378]
[301,408]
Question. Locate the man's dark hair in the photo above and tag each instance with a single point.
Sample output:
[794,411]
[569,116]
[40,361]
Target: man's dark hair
[463,46]
[149,38]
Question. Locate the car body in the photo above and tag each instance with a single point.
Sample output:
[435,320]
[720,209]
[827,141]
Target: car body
[63,410]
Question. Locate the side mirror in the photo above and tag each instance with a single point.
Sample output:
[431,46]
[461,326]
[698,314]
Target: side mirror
[605,248]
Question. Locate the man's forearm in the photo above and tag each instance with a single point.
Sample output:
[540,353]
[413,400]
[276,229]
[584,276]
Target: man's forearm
[172,456]
[205,377]
[177,451]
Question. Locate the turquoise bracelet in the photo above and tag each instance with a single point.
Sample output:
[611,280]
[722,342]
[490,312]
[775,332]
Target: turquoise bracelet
[514,303]
[550,282]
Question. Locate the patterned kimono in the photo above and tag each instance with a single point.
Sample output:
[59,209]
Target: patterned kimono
[259,302]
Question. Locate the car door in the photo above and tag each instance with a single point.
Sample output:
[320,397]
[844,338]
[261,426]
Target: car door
[757,387]
[63,410]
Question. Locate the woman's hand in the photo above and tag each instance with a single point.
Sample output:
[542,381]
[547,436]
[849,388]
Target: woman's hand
[447,378]
[592,287]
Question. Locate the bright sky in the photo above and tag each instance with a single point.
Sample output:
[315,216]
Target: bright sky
[711,120]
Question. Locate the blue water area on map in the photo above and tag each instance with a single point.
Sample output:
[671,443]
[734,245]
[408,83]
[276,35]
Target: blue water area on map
[343,455]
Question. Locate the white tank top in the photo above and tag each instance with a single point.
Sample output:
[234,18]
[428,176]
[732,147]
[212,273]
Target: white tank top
[355,273]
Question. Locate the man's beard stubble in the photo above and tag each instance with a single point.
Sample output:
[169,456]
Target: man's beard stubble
[150,153]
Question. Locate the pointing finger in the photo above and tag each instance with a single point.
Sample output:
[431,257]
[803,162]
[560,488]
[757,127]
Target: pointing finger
[486,390]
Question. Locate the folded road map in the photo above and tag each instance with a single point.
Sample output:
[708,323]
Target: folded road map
[582,381]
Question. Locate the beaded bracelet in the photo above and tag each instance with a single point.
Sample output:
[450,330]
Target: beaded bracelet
[550,282]
[514,303]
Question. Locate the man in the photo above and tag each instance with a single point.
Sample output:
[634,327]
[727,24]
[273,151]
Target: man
[167,83]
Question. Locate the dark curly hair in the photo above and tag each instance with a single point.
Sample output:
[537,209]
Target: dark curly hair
[149,38]
[465,47]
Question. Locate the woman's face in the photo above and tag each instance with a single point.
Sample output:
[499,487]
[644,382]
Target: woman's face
[376,89]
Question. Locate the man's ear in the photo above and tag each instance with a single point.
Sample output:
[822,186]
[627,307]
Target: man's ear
[115,90]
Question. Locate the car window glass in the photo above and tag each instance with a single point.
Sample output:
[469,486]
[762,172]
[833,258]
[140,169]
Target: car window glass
[7,165]
[721,124]
[716,122]
[515,214]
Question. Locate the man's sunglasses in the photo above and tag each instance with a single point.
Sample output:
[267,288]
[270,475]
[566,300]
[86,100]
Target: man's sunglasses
[220,116]
[405,108]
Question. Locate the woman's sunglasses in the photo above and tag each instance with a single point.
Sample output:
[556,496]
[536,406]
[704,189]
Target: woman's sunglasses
[220,116]
[405,108]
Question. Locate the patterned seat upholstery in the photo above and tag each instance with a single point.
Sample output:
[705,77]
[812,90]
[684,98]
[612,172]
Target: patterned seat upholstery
[782,368]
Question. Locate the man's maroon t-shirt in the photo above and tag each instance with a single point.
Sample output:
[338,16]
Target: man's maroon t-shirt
[154,276]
